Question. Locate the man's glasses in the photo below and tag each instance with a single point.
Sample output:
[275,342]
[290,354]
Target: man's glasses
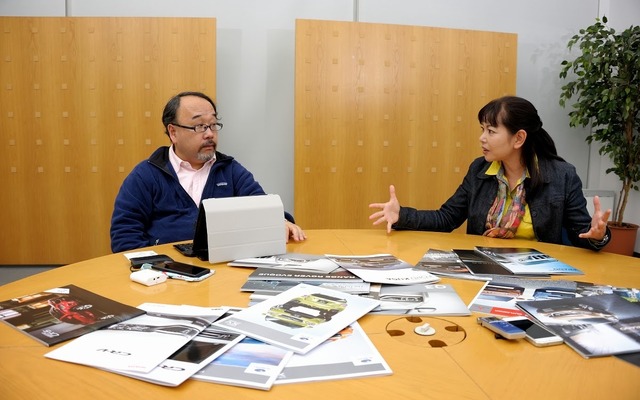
[201,128]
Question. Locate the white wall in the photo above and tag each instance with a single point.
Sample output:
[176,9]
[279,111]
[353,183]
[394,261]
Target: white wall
[255,63]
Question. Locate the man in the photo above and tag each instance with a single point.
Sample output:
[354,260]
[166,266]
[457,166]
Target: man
[158,201]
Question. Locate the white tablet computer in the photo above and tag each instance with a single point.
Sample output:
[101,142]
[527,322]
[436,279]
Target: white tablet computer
[242,227]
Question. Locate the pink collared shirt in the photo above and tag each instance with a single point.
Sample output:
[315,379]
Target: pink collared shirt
[192,180]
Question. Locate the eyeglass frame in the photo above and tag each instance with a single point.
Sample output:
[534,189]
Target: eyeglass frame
[195,128]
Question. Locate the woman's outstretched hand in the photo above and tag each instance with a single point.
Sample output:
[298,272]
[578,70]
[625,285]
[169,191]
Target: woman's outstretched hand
[389,211]
[598,222]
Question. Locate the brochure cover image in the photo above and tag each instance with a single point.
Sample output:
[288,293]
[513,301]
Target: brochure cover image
[591,289]
[447,263]
[250,363]
[419,299]
[348,354]
[383,268]
[594,325]
[527,261]
[141,343]
[290,261]
[268,274]
[199,352]
[58,314]
[274,287]
[300,318]
[500,295]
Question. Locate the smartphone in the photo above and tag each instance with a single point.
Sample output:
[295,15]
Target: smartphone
[502,327]
[182,269]
[536,334]
[137,262]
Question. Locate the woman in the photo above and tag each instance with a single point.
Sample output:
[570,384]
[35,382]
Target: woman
[521,188]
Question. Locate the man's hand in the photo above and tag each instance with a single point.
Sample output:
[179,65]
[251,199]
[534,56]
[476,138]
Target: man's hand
[294,232]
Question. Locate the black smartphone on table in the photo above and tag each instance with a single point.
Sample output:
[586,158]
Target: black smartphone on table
[138,262]
[179,268]
[536,334]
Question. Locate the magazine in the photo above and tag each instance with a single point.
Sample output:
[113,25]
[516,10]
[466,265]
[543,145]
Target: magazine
[300,318]
[383,268]
[295,261]
[527,261]
[275,287]
[348,354]
[146,340]
[593,326]
[501,294]
[418,299]
[55,315]
[268,274]
[199,352]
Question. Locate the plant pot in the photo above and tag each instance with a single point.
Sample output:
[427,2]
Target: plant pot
[623,239]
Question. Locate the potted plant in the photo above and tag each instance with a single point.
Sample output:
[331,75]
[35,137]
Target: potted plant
[607,89]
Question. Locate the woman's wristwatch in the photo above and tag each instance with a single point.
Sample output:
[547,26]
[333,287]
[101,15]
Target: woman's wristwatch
[602,242]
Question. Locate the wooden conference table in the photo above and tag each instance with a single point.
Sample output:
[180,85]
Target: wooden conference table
[478,366]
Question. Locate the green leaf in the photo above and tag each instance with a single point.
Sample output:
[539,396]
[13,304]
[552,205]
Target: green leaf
[606,86]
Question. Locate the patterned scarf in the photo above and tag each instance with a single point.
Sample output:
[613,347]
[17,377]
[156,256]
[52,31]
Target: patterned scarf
[503,223]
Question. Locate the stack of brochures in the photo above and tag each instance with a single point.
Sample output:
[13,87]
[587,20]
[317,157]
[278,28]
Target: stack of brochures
[401,288]
[306,333]
[154,347]
[486,263]
[500,295]
[299,335]
[289,261]
[265,279]
[594,326]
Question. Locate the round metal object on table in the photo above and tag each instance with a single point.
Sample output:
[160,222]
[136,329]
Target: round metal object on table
[447,333]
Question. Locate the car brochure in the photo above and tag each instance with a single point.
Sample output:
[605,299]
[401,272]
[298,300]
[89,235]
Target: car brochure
[347,354]
[290,261]
[66,312]
[418,299]
[481,265]
[447,263]
[269,274]
[521,260]
[500,295]
[259,295]
[383,268]
[275,287]
[249,363]
[592,289]
[141,343]
[478,263]
[465,264]
[593,326]
[300,318]
[196,354]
